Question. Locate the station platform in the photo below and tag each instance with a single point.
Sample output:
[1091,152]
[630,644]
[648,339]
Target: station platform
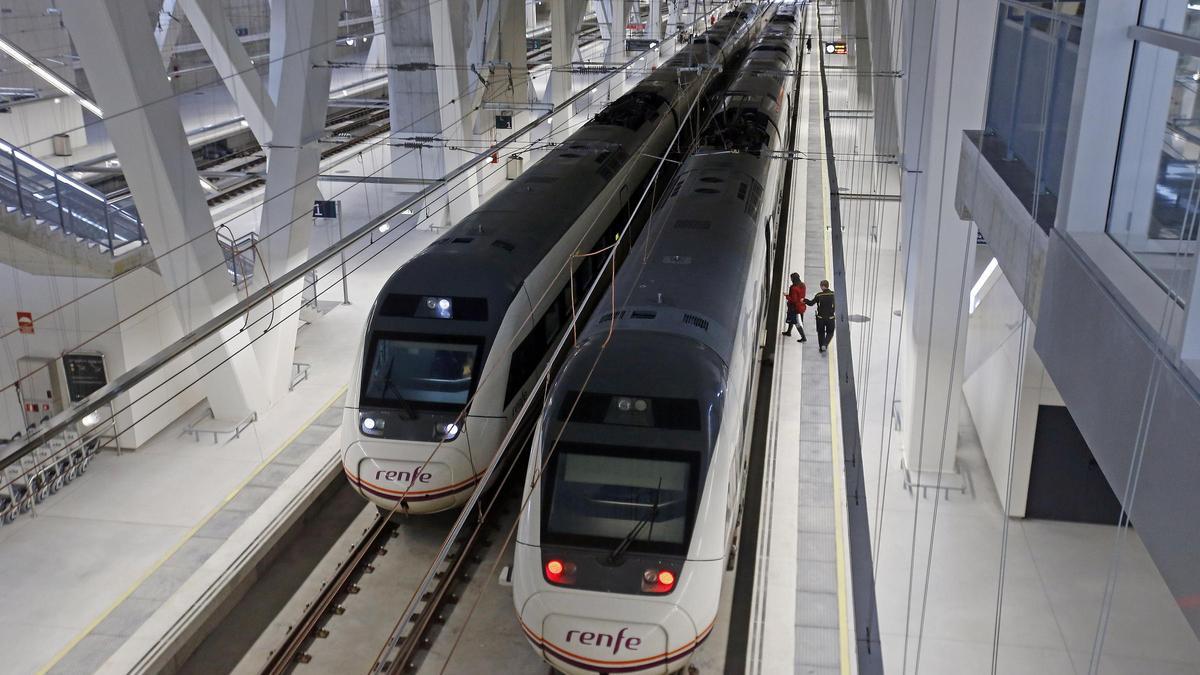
[111,549]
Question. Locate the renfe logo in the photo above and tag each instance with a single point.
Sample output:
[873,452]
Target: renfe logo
[403,476]
[617,641]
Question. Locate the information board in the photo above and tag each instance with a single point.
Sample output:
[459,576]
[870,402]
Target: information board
[84,374]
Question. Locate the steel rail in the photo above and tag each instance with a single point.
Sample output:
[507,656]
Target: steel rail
[139,373]
[283,658]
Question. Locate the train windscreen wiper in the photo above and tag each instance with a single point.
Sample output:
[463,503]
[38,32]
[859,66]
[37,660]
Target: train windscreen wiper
[389,387]
[615,556]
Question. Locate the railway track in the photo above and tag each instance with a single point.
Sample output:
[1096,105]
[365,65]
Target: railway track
[390,564]
[355,127]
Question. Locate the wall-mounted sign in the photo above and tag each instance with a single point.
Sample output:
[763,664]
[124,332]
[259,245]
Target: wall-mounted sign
[84,374]
[836,47]
[504,121]
[324,209]
[25,322]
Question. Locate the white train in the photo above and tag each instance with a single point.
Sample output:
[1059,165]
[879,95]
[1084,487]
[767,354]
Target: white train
[638,463]
[458,333]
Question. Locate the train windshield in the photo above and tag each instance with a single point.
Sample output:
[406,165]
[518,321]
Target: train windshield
[420,373]
[606,497]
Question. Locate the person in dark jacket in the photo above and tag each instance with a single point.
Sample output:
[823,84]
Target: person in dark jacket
[825,313]
[796,307]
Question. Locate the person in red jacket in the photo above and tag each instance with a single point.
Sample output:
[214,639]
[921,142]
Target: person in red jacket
[796,307]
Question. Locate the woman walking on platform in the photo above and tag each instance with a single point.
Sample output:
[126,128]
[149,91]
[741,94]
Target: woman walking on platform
[796,307]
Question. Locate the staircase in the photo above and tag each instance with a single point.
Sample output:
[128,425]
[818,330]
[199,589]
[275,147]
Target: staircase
[52,224]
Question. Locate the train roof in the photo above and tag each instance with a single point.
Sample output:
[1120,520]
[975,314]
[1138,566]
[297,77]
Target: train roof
[491,251]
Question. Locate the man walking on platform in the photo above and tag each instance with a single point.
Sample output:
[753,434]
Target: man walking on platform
[825,314]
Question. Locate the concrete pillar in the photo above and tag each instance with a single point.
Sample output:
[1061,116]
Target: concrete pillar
[413,94]
[610,18]
[565,16]
[943,92]
[438,110]
[506,69]
[377,54]
[302,36]
[166,32]
[654,22]
[232,63]
[115,41]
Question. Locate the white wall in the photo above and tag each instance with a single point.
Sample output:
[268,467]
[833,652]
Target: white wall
[29,126]
[91,321]
[1002,396]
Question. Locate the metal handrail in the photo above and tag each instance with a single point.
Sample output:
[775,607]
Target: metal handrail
[45,193]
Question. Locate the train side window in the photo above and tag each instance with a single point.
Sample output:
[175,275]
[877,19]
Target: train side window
[534,347]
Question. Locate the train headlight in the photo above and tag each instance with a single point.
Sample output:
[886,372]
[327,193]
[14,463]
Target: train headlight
[448,431]
[560,572]
[371,425]
[658,580]
[438,308]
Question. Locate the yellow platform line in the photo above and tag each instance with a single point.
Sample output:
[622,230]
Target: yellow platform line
[835,425]
[62,653]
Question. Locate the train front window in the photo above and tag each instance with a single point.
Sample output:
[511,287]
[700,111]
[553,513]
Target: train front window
[618,498]
[420,373]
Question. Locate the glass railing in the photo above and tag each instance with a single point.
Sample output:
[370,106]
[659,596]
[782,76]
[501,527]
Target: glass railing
[1029,99]
[41,192]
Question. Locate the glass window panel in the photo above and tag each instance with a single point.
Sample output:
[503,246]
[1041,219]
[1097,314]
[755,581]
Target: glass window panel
[602,498]
[1029,101]
[1156,195]
[414,372]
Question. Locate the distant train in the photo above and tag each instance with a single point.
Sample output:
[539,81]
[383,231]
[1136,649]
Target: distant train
[638,464]
[458,334]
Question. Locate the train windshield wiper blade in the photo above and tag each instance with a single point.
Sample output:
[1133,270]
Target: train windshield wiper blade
[637,527]
[389,387]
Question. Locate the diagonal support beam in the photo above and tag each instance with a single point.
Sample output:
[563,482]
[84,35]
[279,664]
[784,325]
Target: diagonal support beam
[115,41]
[232,63]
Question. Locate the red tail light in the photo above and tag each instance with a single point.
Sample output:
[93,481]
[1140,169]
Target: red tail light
[658,581]
[560,572]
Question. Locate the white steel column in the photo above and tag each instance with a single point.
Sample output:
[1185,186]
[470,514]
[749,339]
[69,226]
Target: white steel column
[654,23]
[115,40]
[166,32]
[506,64]
[944,91]
[412,94]
[232,63]
[565,16]
[302,35]
[610,17]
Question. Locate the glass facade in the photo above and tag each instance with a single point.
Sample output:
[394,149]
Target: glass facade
[1155,200]
[1029,100]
